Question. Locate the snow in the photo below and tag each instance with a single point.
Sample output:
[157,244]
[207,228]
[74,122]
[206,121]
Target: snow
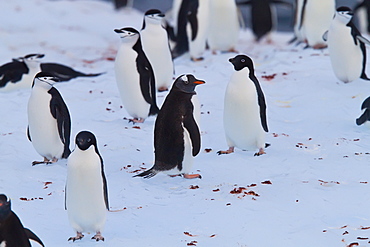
[311,185]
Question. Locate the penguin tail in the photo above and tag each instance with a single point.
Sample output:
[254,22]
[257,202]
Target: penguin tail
[364,76]
[33,236]
[66,153]
[153,110]
[148,173]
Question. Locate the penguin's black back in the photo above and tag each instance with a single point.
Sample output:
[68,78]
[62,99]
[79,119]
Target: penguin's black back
[13,232]
[261,17]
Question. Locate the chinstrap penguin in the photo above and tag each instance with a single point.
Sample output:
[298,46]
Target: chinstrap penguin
[156,46]
[49,122]
[245,120]
[346,47]
[365,116]
[86,197]
[176,133]
[12,232]
[135,76]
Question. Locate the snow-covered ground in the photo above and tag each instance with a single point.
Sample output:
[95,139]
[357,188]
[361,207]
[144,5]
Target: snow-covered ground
[311,188]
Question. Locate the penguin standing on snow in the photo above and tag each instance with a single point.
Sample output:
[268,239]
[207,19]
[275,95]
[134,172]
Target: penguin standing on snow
[346,47]
[86,188]
[49,122]
[135,76]
[156,47]
[19,73]
[12,232]
[245,119]
[176,133]
[366,114]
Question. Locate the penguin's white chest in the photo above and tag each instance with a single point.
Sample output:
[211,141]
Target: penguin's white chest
[346,57]
[84,191]
[43,126]
[128,82]
[242,120]
[3,244]
[156,47]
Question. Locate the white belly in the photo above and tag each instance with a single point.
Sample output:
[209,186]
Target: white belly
[346,57]
[84,191]
[128,82]
[242,121]
[156,48]
[43,127]
[223,25]
[3,244]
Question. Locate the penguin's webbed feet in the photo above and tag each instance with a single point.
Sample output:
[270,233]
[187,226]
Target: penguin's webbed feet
[162,89]
[260,152]
[78,237]
[136,120]
[45,161]
[229,151]
[198,59]
[98,237]
[191,176]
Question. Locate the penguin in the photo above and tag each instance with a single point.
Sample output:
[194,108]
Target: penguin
[346,47]
[49,122]
[366,112]
[19,73]
[156,46]
[317,16]
[176,133]
[362,11]
[262,17]
[86,196]
[63,72]
[245,120]
[223,16]
[12,232]
[135,76]
[297,27]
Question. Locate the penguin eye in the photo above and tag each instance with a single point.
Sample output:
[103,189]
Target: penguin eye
[89,140]
[243,60]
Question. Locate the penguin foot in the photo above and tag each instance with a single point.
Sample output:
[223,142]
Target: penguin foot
[260,152]
[197,59]
[78,237]
[98,237]
[45,161]
[173,176]
[136,120]
[229,151]
[192,176]
[232,50]
[319,46]
[162,89]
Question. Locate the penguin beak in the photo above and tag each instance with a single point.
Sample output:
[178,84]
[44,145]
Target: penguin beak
[199,82]
[118,30]
[40,56]
[161,15]
[231,60]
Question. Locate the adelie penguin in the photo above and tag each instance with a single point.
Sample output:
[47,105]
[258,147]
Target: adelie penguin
[156,47]
[135,77]
[365,116]
[12,232]
[49,122]
[245,120]
[86,197]
[346,47]
[176,133]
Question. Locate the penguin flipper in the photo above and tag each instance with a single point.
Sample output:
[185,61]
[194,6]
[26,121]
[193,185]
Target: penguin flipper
[28,133]
[148,173]
[33,236]
[192,18]
[261,103]
[244,2]
[363,39]
[366,104]
[192,127]
[363,118]
[59,111]
[325,36]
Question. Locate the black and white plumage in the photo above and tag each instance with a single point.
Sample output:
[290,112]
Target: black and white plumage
[365,116]
[12,232]
[362,11]
[49,122]
[245,120]
[176,133]
[86,197]
[63,72]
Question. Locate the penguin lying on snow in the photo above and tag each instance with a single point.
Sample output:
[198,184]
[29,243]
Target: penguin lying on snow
[176,133]
[245,120]
[135,76]
[86,197]
[346,47]
[12,232]
[366,114]
[49,122]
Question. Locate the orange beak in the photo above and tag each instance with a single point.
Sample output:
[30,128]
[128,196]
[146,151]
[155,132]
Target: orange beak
[199,82]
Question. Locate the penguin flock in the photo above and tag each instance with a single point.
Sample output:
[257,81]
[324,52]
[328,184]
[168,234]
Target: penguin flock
[144,67]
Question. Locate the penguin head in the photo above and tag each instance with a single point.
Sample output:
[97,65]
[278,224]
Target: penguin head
[344,14]
[46,79]
[128,34]
[5,207]
[242,61]
[186,83]
[154,16]
[85,139]
[33,60]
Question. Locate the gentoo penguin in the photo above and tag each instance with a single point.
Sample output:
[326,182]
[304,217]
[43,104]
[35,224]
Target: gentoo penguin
[176,133]
[86,188]
[362,11]
[49,122]
[366,114]
[135,76]
[19,73]
[262,16]
[346,47]
[12,232]
[245,119]
[224,27]
[317,16]
[156,46]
